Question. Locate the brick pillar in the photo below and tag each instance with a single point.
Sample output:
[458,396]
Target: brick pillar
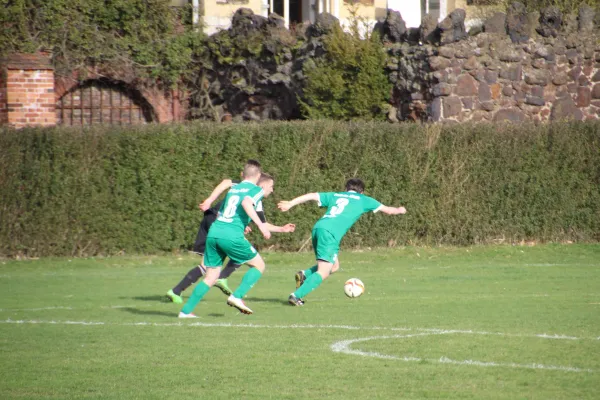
[27,91]
[3,105]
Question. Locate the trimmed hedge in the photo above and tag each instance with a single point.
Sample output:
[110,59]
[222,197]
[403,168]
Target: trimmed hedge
[65,191]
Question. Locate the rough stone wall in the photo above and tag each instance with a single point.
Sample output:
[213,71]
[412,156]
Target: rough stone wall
[488,77]
[517,66]
[29,91]
[540,68]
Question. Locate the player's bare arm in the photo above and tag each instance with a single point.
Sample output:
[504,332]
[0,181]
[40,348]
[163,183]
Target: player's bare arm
[287,228]
[221,187]
[248,206]
[392,210]
[286,205]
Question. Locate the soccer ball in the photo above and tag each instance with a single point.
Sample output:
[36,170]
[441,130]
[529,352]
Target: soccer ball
[354,287]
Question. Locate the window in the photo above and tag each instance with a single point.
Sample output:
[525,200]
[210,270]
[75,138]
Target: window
[101,102]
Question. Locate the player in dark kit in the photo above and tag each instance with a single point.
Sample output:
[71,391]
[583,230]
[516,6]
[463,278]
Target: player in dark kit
[210,215]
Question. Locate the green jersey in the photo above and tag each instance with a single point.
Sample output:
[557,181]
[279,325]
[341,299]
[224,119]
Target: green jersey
[232,219]
[343,210]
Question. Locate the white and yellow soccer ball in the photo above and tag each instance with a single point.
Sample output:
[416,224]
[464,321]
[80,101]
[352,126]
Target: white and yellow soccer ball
[354,287]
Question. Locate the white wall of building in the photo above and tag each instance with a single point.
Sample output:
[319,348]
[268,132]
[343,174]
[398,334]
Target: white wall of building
[409,10]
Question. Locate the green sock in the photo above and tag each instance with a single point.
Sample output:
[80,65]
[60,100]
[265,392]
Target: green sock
[308,286]
[249,279]
[199,291]
[310,271]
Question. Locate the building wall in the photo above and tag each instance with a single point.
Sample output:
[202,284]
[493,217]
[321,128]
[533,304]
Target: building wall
[475,14]
[363,10]
[366,14]
[218,13]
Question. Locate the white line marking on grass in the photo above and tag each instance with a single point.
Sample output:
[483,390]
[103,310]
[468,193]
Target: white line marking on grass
[75,308]
[545,336]
[546,265]
[471,332]
[195,324]
[10,321]
[446,360]
[36,309]
[427,331]
[343,346]
[560,265]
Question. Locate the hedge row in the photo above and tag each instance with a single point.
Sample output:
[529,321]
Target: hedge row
[108,190]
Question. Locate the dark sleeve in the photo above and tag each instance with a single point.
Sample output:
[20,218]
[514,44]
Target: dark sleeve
[214,210]
[261,216]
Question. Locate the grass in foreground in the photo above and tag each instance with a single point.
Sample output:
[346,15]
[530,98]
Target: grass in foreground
[455,323]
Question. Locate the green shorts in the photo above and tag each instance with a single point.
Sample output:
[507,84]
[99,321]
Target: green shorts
[325,245]
[239,250]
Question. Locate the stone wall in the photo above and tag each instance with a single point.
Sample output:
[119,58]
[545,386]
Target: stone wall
[516,67]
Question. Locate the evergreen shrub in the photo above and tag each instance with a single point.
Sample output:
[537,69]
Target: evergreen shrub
[66,191]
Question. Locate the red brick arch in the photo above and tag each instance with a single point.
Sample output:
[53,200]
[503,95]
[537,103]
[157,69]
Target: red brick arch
[101,101]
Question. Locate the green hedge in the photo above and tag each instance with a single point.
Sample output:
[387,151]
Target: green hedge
[108,190]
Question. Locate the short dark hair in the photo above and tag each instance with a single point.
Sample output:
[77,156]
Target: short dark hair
[254,163]
[355,184]
[265,177]
[251,170]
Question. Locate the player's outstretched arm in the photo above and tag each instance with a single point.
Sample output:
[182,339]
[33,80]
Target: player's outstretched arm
[286,205]
[392,210]
[281,229]
[248,206]
[221,187]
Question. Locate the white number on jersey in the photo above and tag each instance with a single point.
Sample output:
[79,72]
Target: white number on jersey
[231,207]
[340,204]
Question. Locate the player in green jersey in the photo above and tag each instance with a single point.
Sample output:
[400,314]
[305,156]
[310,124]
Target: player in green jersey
[343,210]
[226,239]
[210,216]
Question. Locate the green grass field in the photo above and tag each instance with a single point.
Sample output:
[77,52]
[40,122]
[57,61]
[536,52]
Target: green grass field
[493,322]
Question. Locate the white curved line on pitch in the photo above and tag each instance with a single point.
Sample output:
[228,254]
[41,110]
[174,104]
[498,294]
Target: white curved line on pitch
[343,346]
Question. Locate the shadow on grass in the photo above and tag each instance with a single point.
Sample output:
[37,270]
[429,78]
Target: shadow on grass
[164,299]
[259,300]
[157,297]
[132,310]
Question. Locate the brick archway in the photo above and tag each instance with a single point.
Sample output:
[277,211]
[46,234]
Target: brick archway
[100,101]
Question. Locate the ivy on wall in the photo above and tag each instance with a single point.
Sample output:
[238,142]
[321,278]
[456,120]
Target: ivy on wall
[141,35]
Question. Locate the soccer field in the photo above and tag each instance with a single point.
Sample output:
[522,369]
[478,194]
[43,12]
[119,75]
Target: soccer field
[489,322]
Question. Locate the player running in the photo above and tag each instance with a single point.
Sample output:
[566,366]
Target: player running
[226,239]
[210,216]
[343,210]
